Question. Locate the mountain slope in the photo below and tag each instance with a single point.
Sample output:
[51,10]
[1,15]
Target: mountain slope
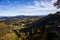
[32,28]
[52,22]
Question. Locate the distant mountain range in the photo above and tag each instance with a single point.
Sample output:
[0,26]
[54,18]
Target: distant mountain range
[21,16]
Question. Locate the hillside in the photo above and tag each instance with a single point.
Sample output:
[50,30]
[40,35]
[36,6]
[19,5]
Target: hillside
[31,28]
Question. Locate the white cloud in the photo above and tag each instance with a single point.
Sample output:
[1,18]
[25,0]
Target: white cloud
[30,9]
[37,5]
[53,1]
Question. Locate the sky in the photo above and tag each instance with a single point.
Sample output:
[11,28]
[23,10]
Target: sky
[27,7]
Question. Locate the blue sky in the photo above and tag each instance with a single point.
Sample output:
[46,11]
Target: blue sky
[27,7]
